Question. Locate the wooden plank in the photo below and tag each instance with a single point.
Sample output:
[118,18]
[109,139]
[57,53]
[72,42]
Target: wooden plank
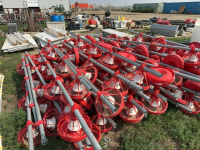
[181,9]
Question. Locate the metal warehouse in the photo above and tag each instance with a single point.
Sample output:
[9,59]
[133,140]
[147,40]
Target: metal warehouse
[40,4]
[154,6]
[191,7]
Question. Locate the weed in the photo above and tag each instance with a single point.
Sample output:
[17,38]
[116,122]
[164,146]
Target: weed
[101,143]
[5,106]
[10,100]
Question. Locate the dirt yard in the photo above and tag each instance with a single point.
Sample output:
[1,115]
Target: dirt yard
[142,16]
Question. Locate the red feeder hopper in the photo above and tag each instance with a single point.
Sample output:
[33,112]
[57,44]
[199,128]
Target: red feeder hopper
[88,37]
[23,135]
[125,38]
[86,103]
[139,76]
[97,134]
[178,80]
[21,102]
[180,96]
[192,58]
[80,43]
[87,63]
[92,51]
[65,107]
[174,60]
[151,61]
[114,82]
[128,56]
[115,97]
[141,50]
[77,90]
[113,36]
[47,47]
[52,90]
[156,106]
[115,44]
[109,60]
[50,119]
[36,82]
[192,69]
[191,104]
[63,70]
[64,48]
[73,56]
[139,38]
[130,113]
[46,74]
[167,78]
[51,54]
[44,104]
[20,69]
[158,48]
[69,128]
[102,123]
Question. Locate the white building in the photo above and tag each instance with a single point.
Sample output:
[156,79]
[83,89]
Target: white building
[40,4]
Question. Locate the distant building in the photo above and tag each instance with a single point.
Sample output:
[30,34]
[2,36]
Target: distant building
[82,5]
[190,7]
[153,6]
[34,4]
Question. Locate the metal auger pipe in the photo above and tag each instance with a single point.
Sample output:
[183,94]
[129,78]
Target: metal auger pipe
[29,89]
[191,91]
[43,81]
[161,45]
[144,111]
[44,139]
[164,99]
[30,135]
[86,129]
[179,105]
[168,41]
[121,57]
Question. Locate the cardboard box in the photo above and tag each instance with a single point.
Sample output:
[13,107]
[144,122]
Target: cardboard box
[130,24]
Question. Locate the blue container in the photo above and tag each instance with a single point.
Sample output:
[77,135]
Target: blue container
[81,25]
[61,18]
[55,18]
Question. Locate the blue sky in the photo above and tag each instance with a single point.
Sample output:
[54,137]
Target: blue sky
[128,2]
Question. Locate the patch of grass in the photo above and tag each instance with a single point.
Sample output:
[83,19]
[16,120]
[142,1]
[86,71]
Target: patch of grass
[4,28]
[178,39]
[55,143]
[12,80]
[11,123]
[172,130]
[2,39]
[137,30]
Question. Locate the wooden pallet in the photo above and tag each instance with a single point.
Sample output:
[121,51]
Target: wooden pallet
[181,9]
